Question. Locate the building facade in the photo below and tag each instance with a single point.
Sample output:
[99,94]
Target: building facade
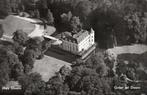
[77,42]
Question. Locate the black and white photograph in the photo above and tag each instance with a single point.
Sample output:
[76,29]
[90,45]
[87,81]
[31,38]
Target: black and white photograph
[73,47]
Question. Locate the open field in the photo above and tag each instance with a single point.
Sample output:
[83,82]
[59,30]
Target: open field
[11,24]
[131,49]
[30,26]
[48,66]
[132,53]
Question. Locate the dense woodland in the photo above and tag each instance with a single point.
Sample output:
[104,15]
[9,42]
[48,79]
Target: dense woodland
[116,22]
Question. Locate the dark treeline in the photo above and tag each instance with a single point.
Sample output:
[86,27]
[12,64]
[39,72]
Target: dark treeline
[115,22]
[17,61]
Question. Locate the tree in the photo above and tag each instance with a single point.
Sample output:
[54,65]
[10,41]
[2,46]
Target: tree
[17,70]
[5,7]
[64,70]
[137,28]
[9,62]
[131,29]
[49,17]
[37,14]
[109,21]
[14,64]
[28,68]
[66,17]
[4,72]
[94,85]
[13,47]
[65,20]
[87,80]
[70,22]
[75,24]
[29,58]
[57,87]
[12,58]
[14,4]
[20,37]
[42,4]
[36,45]
[35,42]
[32,84]
[77,73]
[96,62]
[19,50]
[1,31]
[83,9]
[103,21]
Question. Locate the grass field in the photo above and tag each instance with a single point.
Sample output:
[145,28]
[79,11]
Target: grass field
[48,66]
[11,24]
[129,49]
[28,25]
[132,53]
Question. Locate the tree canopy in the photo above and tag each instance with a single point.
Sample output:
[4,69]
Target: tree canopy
[20,37]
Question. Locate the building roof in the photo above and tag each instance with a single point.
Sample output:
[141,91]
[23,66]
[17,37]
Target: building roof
[74,37]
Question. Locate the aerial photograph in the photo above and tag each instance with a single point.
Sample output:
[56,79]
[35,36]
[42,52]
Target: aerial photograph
[73,47]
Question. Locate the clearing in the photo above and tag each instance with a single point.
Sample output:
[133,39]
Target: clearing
[48,66]
[132,53]
[131,49]
[12,23]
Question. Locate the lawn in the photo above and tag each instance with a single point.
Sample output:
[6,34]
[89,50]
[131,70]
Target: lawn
[132,53]
[129,49]
[48,66]
[12,23]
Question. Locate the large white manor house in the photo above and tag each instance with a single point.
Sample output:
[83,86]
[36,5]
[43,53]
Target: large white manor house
[79,42]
